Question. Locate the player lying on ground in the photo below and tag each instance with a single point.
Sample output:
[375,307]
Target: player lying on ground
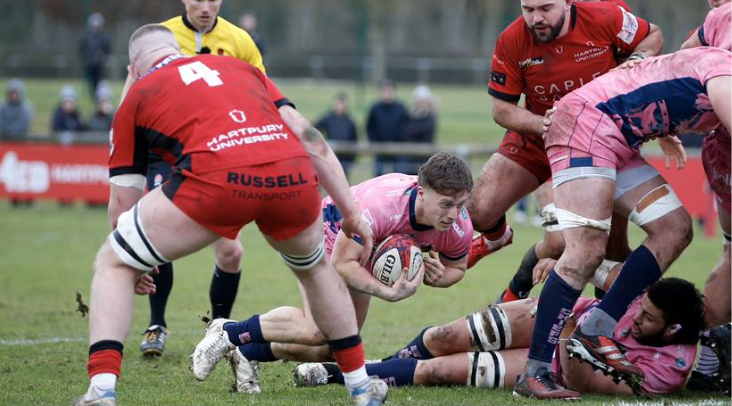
[428,207]
[716,32]
[238,135]
[594,132]
[555,47]
[488,349]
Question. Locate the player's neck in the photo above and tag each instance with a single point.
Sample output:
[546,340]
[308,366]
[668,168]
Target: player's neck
[202,29]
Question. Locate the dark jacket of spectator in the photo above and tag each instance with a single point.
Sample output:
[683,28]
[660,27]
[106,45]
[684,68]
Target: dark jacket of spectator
[66,117]
[94,47]
[16,113]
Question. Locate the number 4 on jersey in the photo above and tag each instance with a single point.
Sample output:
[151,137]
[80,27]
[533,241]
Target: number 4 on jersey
[197,70]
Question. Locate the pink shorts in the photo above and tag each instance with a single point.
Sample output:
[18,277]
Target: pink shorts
[716,161]
[581,135]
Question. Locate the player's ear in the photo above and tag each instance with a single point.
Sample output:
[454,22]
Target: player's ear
[673,329]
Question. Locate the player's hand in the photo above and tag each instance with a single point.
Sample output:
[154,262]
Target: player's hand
[354,225]
[433,268]
[403,288]
[146,284]
[673,149]
[542,270]
[547,122]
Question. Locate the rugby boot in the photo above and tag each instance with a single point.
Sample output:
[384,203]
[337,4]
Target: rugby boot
[605,354]
[310,374]
[209,351]
[246,373]
[719,341]
[154,342]
[373,395]
[544,386]
[109,398]
[481,247]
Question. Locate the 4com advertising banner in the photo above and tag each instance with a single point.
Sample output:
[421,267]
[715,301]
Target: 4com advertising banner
[65,173]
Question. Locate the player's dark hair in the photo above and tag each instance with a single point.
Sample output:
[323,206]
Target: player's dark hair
[446,174]
[682,304]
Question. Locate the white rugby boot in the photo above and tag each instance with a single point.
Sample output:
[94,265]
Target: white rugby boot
[246,373]
[214,346]
[373,395]
[310,374]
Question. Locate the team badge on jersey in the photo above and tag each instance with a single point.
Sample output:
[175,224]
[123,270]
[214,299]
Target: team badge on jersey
[499,78]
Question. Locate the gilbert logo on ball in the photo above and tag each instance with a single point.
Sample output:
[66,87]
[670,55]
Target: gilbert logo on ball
[392,255]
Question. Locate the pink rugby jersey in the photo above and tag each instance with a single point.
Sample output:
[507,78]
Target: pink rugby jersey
[662,95]
[387,205]
[666,368]
[716,29]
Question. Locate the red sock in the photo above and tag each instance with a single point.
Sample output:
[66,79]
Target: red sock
[350,359]
[509,296]
[105,361]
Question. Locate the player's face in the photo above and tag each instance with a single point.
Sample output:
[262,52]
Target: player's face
[441,211]
[649,326]
[717,3]
[545,18]
[202,13]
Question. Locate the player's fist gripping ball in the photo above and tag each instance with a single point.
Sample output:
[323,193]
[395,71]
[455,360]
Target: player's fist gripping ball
[392,255]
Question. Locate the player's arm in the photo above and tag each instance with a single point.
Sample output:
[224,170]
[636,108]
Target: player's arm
[693,41]
[345,259]
[652,44]
[718,89]
[440,272]
[124,192]
[512,117]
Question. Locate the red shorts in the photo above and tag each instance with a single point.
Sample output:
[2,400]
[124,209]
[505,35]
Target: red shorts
[716,161]
[282,197]
[527,151]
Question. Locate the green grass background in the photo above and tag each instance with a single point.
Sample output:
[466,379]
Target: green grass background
[46,253]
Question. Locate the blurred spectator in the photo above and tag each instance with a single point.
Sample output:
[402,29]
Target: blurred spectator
[421,127]
[101,120]
[386,121]
[248,22]
[338,126]
[66,117]
[16,113]
[94,48]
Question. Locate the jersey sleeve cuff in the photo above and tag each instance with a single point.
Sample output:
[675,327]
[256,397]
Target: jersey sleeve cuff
[454,259]
[126,170]
[510,98]
[284,102]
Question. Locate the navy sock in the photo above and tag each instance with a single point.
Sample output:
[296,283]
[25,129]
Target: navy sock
[159,299]
[396,371]
[243,332]
[224,287]
[415,349]
[640,271]
[556,302]
[261,352]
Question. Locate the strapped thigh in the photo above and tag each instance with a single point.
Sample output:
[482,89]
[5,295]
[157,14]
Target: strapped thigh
[486,370]
[131,244]
[305,262]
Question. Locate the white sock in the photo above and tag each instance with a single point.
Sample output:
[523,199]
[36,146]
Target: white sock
[100,384]
[356,379]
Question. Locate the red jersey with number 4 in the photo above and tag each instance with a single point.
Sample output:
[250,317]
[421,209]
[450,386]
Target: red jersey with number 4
[598,33]
[201,114]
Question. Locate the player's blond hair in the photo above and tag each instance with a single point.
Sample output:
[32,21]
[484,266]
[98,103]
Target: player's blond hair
[149,38]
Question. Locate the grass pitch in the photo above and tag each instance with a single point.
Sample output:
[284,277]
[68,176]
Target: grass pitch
[46,254]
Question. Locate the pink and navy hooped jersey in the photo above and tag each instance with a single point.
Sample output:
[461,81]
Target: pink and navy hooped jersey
[387,205]
[716,30]
[661,96]
[666,368]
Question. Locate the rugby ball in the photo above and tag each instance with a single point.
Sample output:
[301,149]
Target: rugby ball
[392,255]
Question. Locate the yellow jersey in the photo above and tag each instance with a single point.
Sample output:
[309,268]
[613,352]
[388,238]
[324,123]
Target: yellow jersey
[224,38]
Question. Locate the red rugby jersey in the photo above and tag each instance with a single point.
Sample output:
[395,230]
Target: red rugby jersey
[201,114]
[598,33]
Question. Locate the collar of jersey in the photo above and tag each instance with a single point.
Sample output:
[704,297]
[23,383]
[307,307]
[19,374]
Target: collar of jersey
[412,211]
[168,59]
[192,28]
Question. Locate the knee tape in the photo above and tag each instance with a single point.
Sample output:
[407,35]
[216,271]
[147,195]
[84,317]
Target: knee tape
[305,262]
[567,219]
[548,216]
[602,272]
[655,204]
[131,244]
[489,329]
[486,370]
